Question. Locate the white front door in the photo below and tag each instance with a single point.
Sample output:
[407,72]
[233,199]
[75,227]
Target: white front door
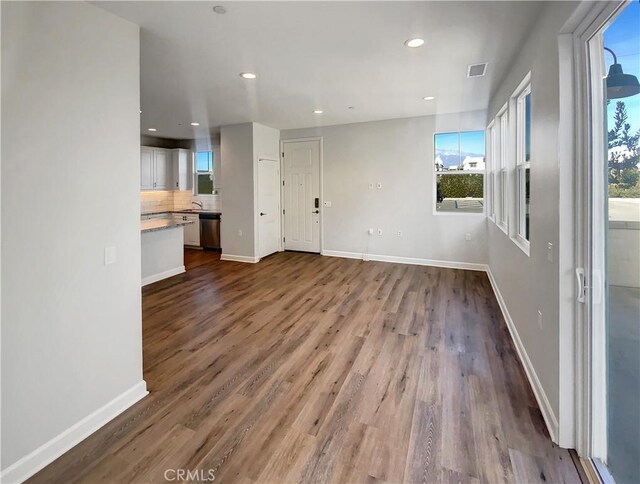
[268,207]
[301,160]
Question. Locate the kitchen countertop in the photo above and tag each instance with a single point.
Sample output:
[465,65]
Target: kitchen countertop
[196,212]
[162,224]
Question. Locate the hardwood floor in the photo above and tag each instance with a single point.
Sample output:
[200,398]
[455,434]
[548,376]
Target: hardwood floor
[316,369]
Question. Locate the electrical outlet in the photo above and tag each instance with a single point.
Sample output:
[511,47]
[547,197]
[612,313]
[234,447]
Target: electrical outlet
[549,251]
[379,185]
[239,233]
[109,256]
[399,233]
[467,236]
[370,231]
[540,319]
[379,231]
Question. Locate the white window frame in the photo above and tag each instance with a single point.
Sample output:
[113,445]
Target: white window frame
[457,173]
[490,150]
[215,157]
[502,175]
[521,166]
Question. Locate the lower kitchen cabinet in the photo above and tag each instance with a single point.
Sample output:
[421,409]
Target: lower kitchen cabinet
[191,231]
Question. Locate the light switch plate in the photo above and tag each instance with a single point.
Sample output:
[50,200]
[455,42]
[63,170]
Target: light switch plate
[379,185]
[327,204]
[109,256]
[370,186]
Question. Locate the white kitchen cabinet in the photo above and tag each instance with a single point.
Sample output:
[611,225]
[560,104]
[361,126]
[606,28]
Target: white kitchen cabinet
[155,168]
[191,231]
[182,172]
[146,168]
[161,167]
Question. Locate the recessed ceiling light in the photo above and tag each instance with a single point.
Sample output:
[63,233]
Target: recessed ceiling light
[219,9]
[414,42]
[195,124]
[428,98]
[317,111]
[248,75]
[152,129]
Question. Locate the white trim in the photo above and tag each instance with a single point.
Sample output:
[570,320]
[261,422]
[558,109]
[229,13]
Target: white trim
[239,258]
[54,448]
[567,380]
[162,275]
[538,391]
[471,266]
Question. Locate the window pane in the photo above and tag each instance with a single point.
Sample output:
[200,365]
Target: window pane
[204,161]
[503,195]
[472,150]
[527,198]
[205,184]
[447,147]
[527,127]
[459,193]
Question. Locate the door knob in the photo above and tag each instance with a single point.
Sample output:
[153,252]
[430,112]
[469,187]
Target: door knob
[262,213]
[316,211]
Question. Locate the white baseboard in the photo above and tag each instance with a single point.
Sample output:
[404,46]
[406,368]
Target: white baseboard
[162,275]
[239,258]
[543,402]
[50,451]
[471,266]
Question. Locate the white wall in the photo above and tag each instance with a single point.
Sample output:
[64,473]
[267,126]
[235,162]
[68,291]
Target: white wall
[240,146]
[236,154]
[71,326]
[399,153]
[531,283]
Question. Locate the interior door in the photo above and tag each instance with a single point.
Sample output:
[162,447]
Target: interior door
[268,207]
[301,161]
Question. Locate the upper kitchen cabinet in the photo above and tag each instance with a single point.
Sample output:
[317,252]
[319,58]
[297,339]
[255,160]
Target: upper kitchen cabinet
[155,168]
[182,170]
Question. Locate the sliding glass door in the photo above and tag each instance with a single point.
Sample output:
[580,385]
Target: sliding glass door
[613,281]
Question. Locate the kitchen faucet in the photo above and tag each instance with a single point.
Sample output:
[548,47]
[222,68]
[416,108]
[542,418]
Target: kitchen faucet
[199,204]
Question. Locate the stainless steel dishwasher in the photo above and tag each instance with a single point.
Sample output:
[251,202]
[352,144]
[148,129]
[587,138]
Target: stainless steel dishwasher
[210,230]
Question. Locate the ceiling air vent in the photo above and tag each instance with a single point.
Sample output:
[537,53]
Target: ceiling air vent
[477,70]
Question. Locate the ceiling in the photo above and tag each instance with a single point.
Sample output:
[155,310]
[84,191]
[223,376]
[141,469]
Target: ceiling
[317,55]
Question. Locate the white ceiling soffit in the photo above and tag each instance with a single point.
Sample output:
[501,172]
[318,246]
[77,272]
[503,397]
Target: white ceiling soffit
[317,55]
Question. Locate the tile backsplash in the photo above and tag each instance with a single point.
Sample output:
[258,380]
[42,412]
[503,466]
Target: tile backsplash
[166,201]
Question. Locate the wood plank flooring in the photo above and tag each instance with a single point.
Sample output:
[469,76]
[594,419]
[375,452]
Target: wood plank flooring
[315,369]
